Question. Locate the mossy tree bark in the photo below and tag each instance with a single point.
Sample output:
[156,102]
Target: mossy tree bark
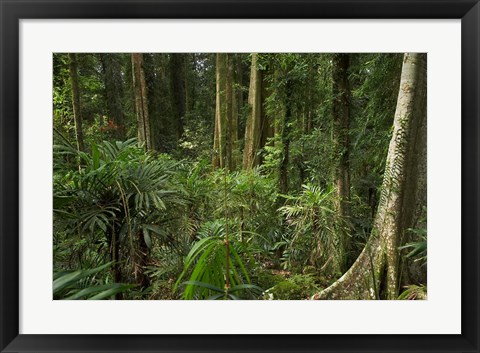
[219,146]
[253,129]
[267,118]
[77,113]
[231,114]
[225,140]
[341,142]
[141,101]
[236,107]
[375,273]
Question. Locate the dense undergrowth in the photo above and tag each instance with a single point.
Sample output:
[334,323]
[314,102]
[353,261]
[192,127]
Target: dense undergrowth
[150,227]
[166,221]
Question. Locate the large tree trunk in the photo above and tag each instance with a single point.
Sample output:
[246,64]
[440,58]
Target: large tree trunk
[231,114]
[219,145]
[375,273]
[253,129]
[77,115]
[341,141]
[112,76]
[226,114]
[141,101]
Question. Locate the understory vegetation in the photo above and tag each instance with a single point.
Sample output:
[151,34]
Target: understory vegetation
[232,176]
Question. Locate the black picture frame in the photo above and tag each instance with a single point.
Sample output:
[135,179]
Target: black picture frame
[12,11]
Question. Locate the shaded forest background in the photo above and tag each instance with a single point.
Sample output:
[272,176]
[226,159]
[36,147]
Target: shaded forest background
[239,176]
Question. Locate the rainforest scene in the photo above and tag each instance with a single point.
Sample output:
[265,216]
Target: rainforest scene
[240,176]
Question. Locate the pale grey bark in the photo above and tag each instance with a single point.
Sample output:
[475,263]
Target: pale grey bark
[77,115]
[253,128]
[141,101]
[404,179]
[219,139]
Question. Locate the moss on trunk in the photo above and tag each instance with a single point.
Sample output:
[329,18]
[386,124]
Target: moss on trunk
[375,273]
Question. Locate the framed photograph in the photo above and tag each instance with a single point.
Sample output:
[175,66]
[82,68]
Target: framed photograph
[239,176]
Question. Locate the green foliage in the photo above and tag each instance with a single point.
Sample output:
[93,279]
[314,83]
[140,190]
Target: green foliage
[62,96]
[297,287]
[207,265]
[315,226]
[375,80]
[418,249]
[84,284]
[267,278]
[118,197]
[161,219]
[414,292]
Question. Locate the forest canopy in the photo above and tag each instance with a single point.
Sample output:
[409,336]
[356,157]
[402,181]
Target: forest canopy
[266,176]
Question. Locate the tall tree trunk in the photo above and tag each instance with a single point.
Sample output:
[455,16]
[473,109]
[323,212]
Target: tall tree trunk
[112,77]
[285,140]
[77,113]
[308,122]
[341,125]
[219,146]
[375,273]
[239,80]
[230,114]
[253,129]
[177,77]
[236,108]
[279,109]
[141,101]
[189,86]
[267,119]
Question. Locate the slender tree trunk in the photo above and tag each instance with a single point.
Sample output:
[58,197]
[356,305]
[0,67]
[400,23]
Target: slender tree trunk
[141,101]
[341,125]
[115,258]
[219,145]
[178,77]
[285,141]
[253,128]
[77,113]
[236,158]
[375,273]
[267,120]
[239,81]
[143,261]
[230,114]
[112,77]
[279,110]
[308,122]
[189,87]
